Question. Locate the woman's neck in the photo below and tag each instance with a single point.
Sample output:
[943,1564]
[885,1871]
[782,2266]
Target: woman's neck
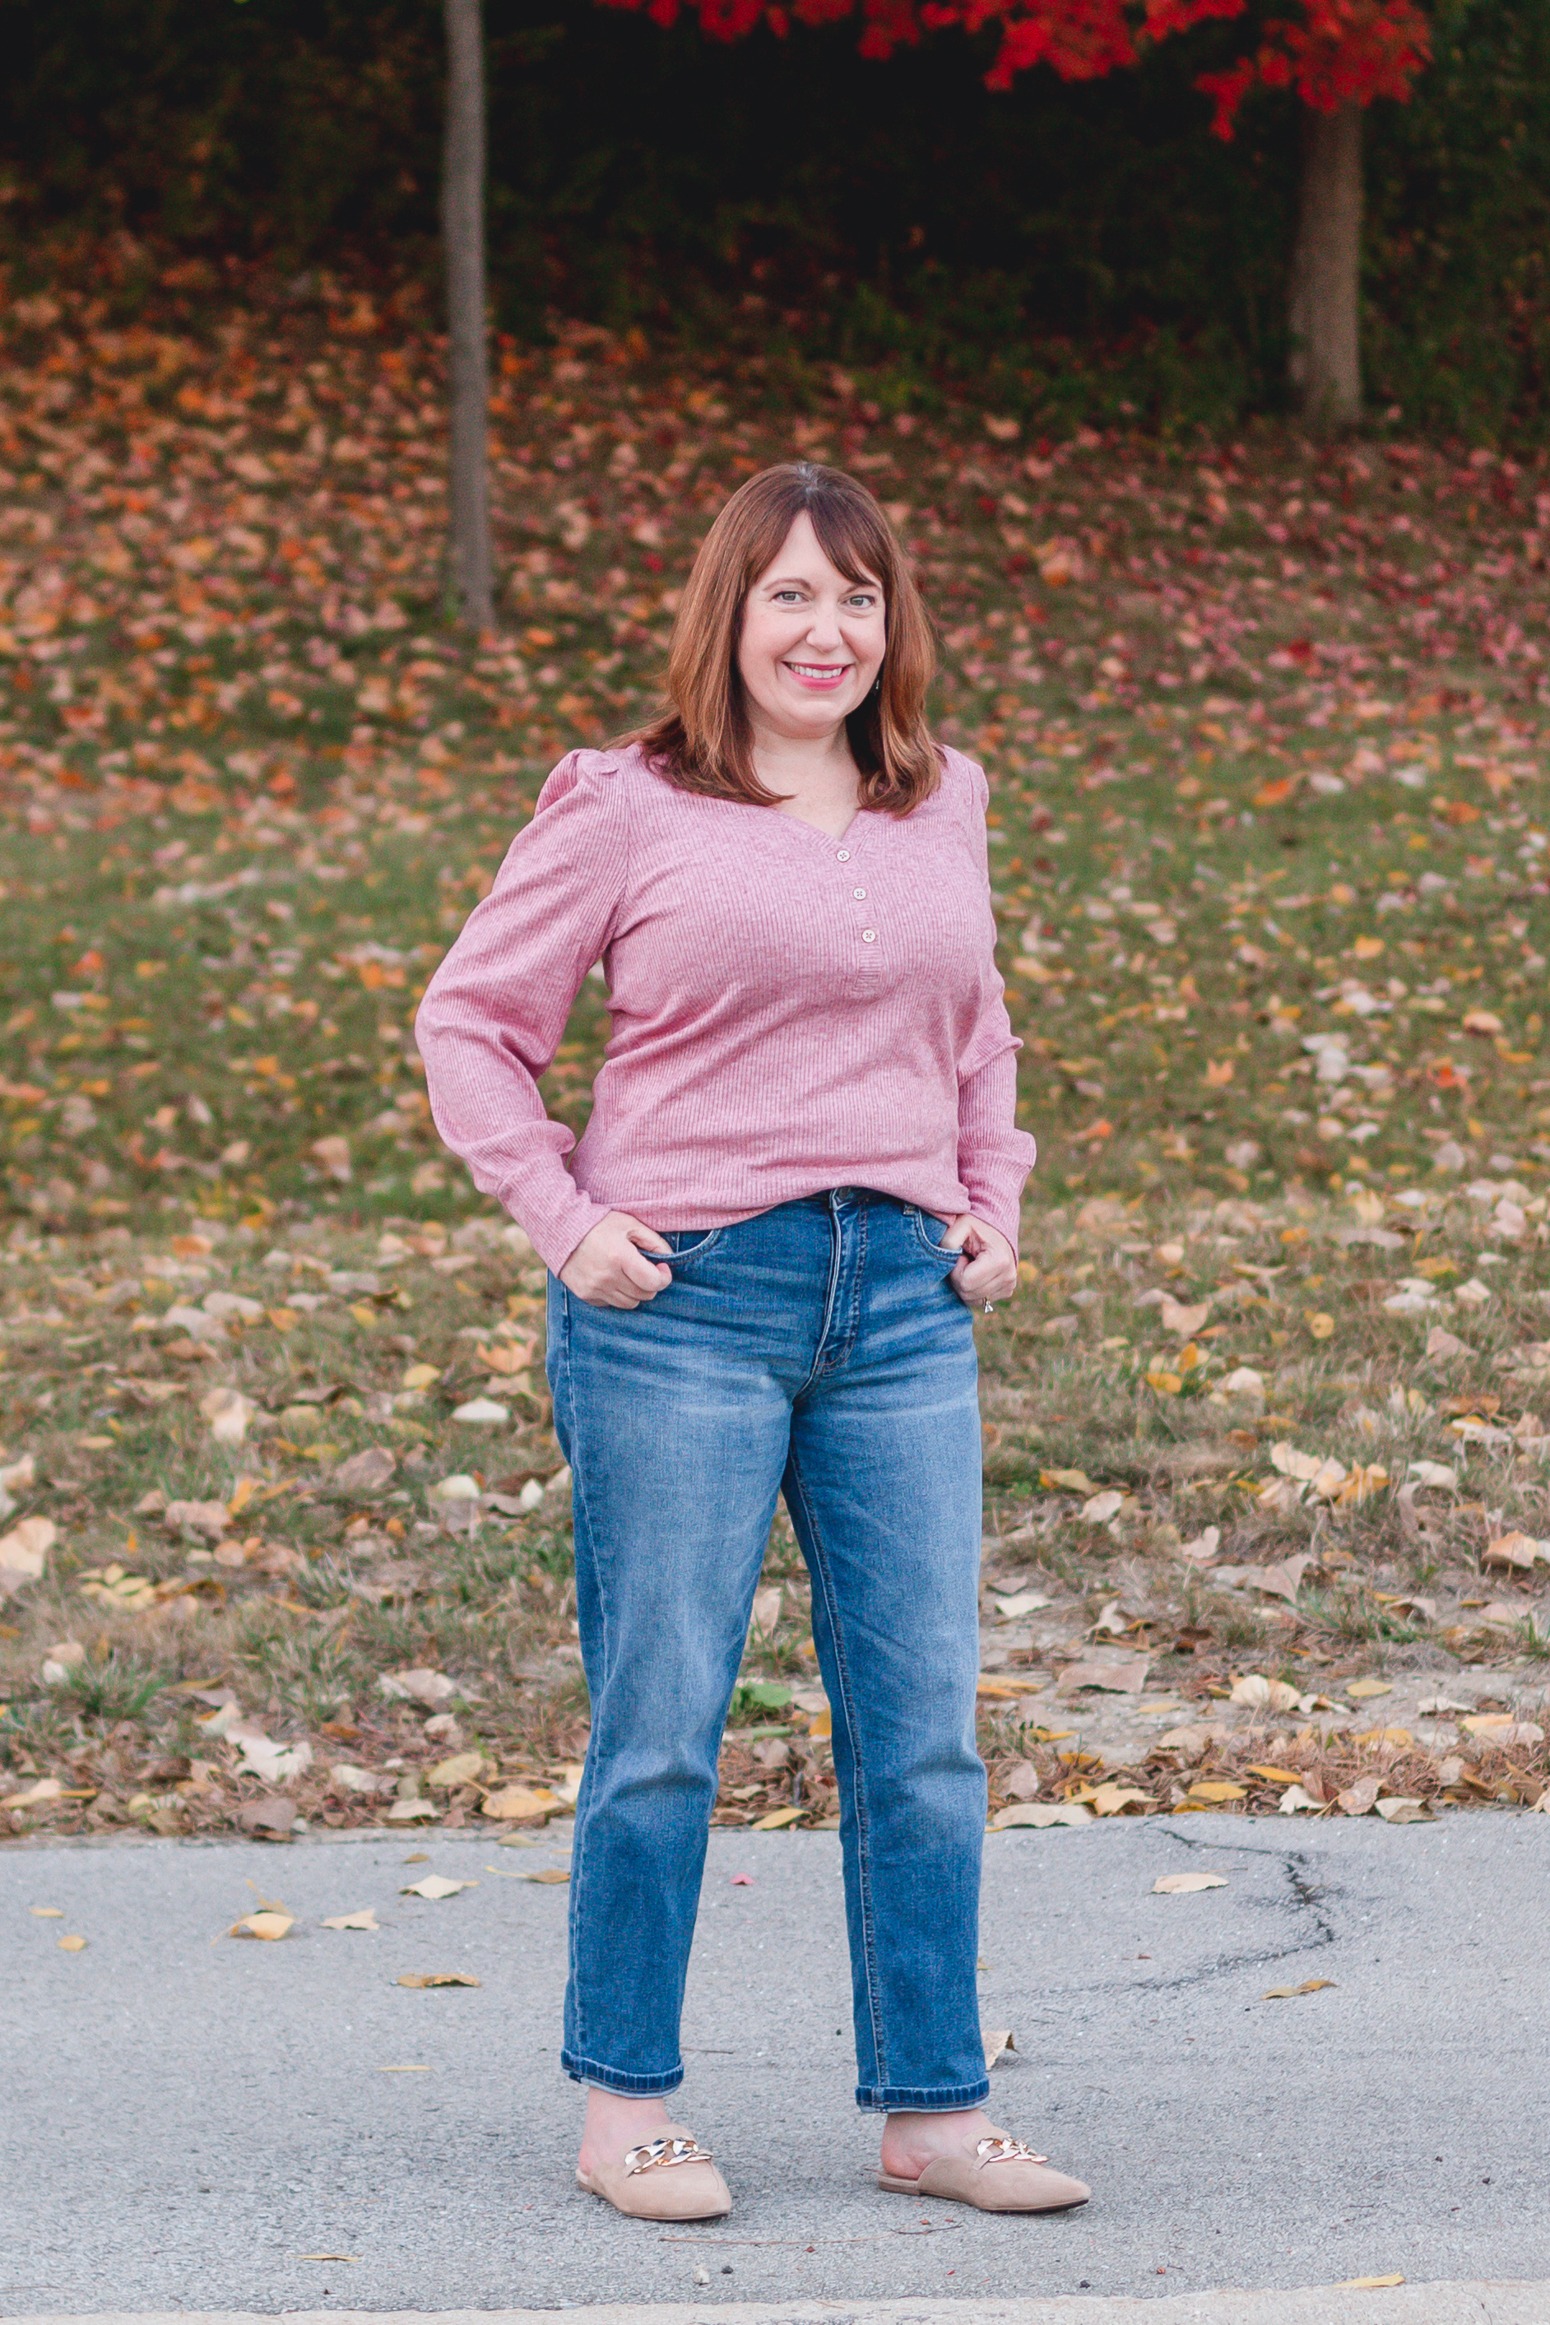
[816,780]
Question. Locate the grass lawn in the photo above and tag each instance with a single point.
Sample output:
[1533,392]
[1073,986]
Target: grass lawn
[1267,1428]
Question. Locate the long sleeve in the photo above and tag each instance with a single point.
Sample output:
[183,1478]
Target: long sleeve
[495,1011]
[994,1156]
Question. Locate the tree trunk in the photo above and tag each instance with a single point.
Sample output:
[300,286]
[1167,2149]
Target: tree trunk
[462,220]
[1326,364]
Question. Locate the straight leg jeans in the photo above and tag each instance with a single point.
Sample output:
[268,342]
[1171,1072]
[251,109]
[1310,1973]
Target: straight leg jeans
[816,1351]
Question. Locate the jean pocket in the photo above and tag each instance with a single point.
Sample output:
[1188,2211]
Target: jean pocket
[929,1231]
[689,1243]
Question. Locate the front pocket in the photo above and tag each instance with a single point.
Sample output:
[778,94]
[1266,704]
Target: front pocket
[689,1243]
[929,1231]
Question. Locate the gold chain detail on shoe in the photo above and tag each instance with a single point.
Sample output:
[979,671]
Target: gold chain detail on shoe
[660,2155]
[1008,2151]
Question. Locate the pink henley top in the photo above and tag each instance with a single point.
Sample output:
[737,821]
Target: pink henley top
[790,1012]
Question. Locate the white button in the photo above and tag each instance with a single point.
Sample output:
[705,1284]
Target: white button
[858,893]
[843,857]
[869,936]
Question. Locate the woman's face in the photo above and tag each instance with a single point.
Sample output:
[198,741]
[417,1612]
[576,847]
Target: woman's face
[812,641]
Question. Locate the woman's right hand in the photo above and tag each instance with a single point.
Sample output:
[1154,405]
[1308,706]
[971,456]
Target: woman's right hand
[608,1268]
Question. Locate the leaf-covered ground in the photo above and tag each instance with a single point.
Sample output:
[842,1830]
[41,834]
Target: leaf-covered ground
[1267,1427]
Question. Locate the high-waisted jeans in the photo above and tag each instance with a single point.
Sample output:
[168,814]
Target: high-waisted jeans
[817,1351]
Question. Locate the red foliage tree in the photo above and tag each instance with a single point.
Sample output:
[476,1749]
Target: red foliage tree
[1335,55]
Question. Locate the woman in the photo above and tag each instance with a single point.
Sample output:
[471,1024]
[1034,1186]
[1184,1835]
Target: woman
[800,1176]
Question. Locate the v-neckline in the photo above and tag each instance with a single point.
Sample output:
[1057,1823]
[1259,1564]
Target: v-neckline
[843,839]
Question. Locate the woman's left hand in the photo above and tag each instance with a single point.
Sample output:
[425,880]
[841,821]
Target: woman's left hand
[988,1268]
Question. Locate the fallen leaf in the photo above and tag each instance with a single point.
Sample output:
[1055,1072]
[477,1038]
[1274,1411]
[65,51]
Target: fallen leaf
[1367,2284]
[364,1474]
[228,1412]
[419,1685]
[1521,1552]
[1114,1799]
[1067,1481]
[1127,1678]
[271,1925]
[554,1876]
[997,2045]
[332,1155]
[1186,1884]
[1263,1694]
[1183,1322]
[1295,1801]
[1215,1793]
[519,1800]
[1202,1548]
[435,1885]
[46,1788]
[1286,1993]
[72,1945]
[23,1552]
[267,1820]
[1271,1775]
[462,1768]
[1360,1798]
[1501,1728]
[419,1979]
[776,1819]
[47,1912]
[414,1812]
[1022,1602]
[1102,1507]
[421,1376]
[1361,1689]
[481,1412]
[365,1919]
[1404,1812]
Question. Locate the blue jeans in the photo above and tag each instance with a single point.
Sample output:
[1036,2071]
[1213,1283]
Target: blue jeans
[817,1351]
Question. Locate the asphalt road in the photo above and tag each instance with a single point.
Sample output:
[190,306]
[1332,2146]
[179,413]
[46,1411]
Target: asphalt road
[187,2122]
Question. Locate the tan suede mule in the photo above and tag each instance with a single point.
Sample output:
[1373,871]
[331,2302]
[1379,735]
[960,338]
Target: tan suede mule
[670,2177]
[1002,2175]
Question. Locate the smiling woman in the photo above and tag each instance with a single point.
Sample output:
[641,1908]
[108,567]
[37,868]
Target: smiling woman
[801,1171]
[801,625]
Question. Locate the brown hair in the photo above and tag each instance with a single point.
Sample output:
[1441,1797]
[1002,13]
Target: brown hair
[702,741]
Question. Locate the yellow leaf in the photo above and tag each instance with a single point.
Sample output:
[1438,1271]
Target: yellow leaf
[462,1768]
[1359,1689]
[365,1919]
[283,1319]
[519,1800]
[1276,1775]
[1165,1384]
[1114,1799]
[997,2045]
[434,1886]
[421,1376]
[420,1979]
[72,1945]
[271,1925]
[1216,1792]
[1367,2284]
[776,1818]
[550,1875]
[1320,1324]
[1286,1993]
[1186,1884]
[1066,1481]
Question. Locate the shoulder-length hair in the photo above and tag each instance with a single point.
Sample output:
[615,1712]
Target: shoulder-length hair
[702,741]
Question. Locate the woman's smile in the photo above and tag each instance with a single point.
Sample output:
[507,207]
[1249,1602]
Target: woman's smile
[824,674]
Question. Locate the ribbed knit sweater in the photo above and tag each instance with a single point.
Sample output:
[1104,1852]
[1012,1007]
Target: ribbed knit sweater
[790,1012]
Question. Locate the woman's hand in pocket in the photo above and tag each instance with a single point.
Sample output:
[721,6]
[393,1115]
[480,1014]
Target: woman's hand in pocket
[988,1268]
[609,1267]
